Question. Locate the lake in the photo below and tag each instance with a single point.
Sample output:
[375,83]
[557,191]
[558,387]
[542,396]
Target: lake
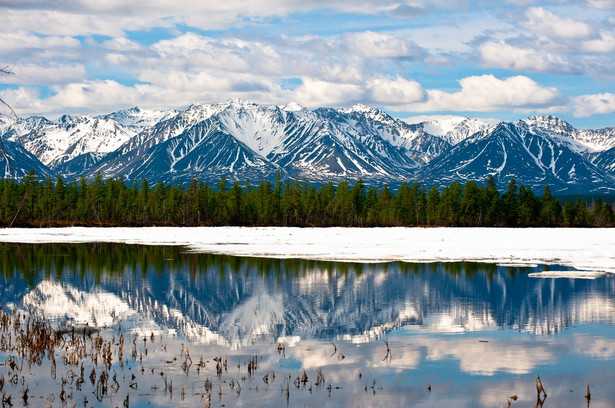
[190,329]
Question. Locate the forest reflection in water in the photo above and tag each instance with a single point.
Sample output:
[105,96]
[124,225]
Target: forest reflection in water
[381,333]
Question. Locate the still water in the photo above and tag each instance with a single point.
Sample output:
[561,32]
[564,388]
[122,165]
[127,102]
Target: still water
[209,330]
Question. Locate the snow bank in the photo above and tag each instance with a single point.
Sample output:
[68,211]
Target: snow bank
[584,249]
[568,274]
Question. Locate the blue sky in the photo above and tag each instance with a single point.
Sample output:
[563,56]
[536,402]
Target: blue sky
[484,59]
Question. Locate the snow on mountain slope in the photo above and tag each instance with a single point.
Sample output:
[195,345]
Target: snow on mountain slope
[240,139]
[606,160]
[515,151]
[260,140]
[15,161]
[54,143]
[598,140]
[139,119]
[589,141]
[14,128]
[204,152]
[555,129]
[452,129]
[417,144]
[260,127]
[5,124]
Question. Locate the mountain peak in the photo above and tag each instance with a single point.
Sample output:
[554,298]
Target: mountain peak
[292,107]
[245,140]
[358,108]
[66,118]
[548,122]
[237,102]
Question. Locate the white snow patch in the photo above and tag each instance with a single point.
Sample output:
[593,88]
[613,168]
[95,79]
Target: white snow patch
[568,274]
[582,248]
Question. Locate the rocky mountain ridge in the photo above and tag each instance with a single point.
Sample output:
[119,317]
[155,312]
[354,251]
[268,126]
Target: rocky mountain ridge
[241,140]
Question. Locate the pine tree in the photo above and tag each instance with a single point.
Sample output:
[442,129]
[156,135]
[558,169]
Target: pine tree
[432,206]
[550,208]
[509,203]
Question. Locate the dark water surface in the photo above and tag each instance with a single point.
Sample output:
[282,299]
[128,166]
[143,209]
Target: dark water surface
[308,333]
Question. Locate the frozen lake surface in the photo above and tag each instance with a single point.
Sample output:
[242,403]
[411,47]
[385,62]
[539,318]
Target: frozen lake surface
[581,248]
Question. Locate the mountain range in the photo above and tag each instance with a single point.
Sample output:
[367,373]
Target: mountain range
[241,141]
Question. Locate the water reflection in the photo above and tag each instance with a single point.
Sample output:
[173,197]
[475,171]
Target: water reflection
[239,301]
[474,333]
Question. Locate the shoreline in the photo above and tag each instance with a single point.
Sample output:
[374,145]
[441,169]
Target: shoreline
[581,248]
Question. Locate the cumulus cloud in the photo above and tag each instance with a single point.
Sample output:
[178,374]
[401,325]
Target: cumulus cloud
[113,17]
[486,93]
[380,45]
[192,52]
[604,44]
[407,11]
[395,92]
[589,105]
[122,44]
[20,42]
[75,41]
[550,25]
[30,74]
[499,54]
[68,22]
[315,92]
[602,4]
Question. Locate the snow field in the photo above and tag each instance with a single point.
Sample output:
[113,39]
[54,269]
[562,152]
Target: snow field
[582,248]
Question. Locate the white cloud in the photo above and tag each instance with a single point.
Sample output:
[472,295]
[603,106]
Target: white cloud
[378,91]
[589,105]
[30,74]
[330,66]
[122,44]
[499,54]
[550,25]
[22,99]
[395,92]
[22,42]
[604,44]
[486,93]
[380,45]
[113,18]
[192,52]
[602,4]
[70,23]
[315,92]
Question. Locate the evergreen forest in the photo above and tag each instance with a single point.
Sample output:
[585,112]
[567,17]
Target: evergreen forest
[34,202]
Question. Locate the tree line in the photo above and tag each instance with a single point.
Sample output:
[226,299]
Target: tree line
[116,202]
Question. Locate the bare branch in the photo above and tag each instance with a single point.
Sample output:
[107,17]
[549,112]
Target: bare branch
[7,71]
[10,108]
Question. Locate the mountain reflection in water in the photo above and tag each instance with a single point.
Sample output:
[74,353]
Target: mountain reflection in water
[481,319]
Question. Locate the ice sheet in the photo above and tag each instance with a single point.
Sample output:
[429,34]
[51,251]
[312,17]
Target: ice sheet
[585,249]
[568,274]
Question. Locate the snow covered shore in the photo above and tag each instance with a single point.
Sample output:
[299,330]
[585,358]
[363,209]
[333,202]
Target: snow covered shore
[584,249]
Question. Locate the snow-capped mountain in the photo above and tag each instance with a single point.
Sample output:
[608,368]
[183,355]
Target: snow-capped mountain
[56,143]
[139,119]
[452,129]
[16,162]
[606,160]
[518,150]
[241,140]
[71,145]
[586,141]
